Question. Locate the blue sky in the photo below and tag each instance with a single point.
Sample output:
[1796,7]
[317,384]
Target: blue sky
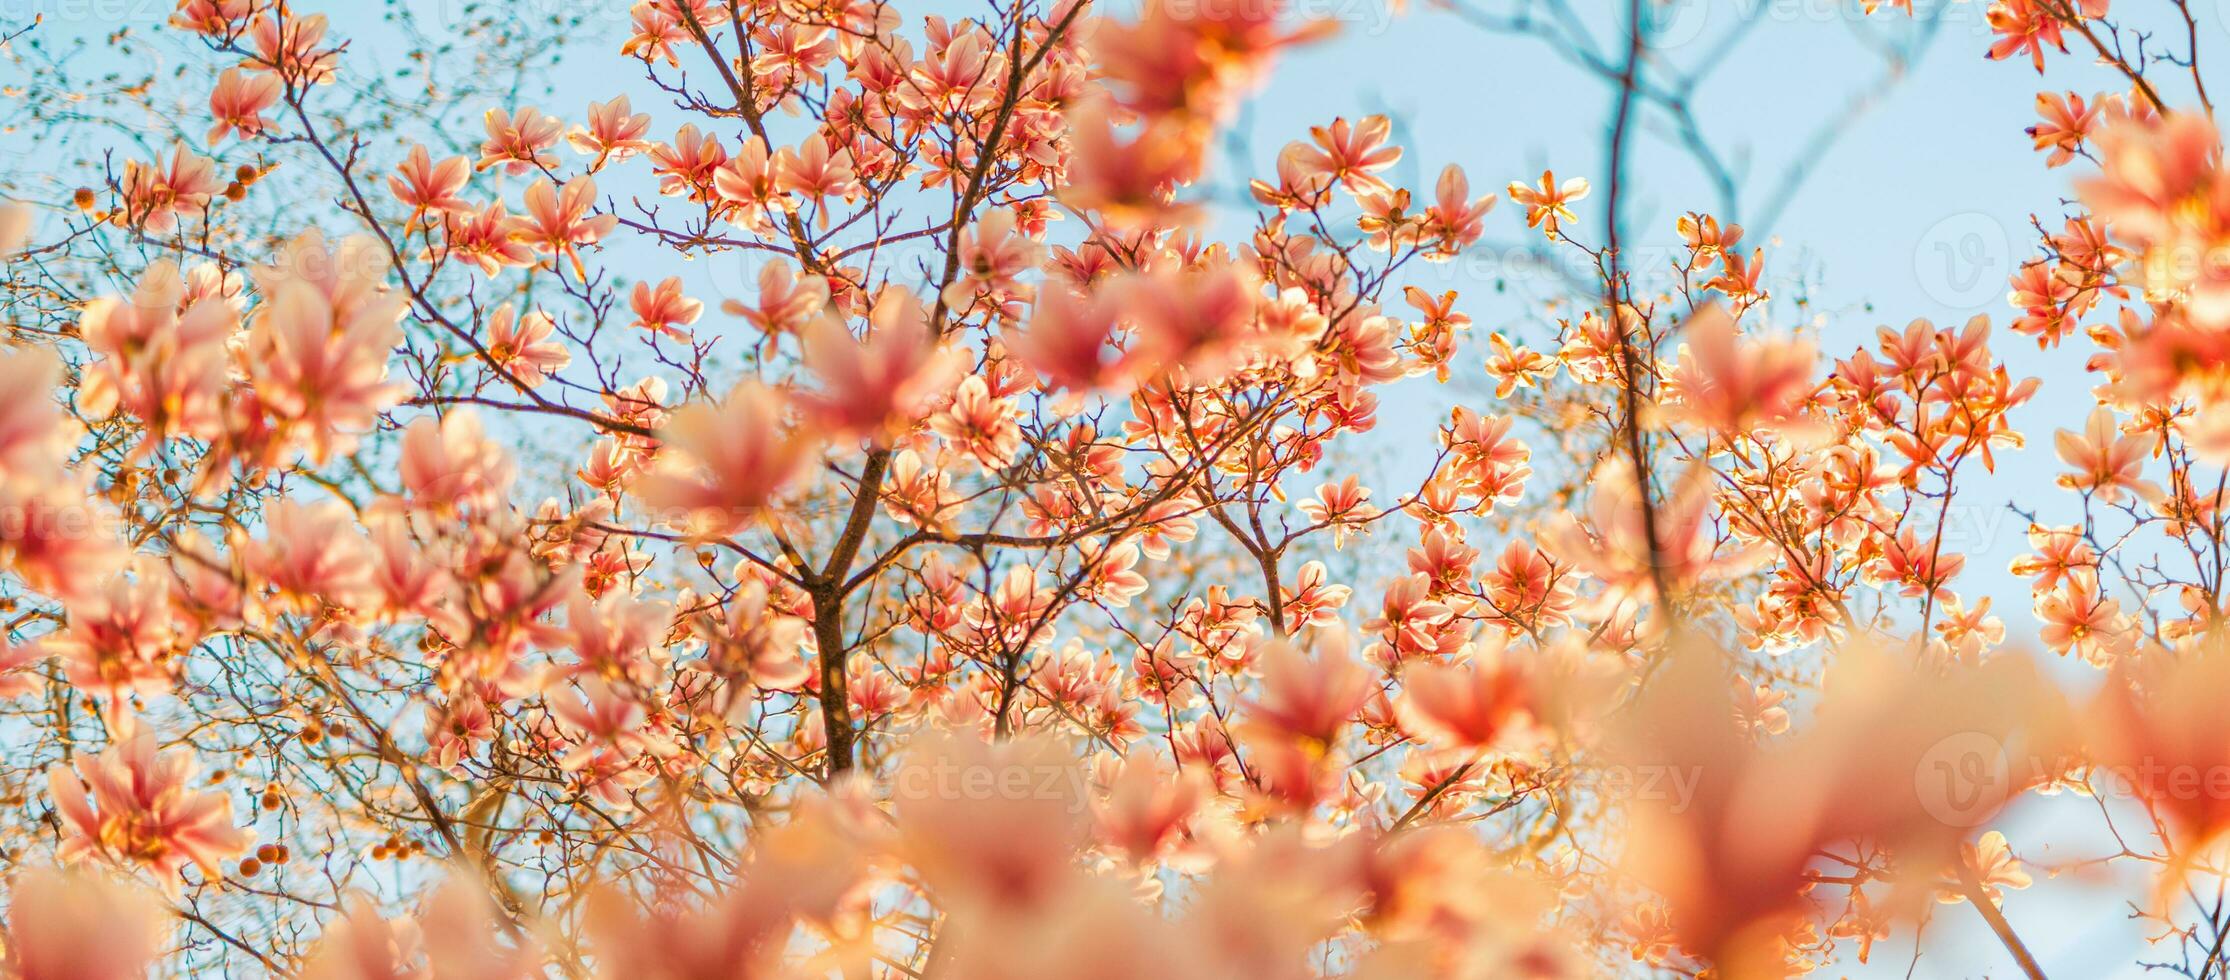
[1919,209]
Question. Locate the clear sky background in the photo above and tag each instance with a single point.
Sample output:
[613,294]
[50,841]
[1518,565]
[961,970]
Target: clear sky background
[1918,208]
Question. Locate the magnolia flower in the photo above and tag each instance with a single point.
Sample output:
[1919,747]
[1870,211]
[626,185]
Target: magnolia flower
[2066,122]
[1455,220]
[885,384]
[1350,154]
[747,182]
[454,728]
[2024,25]
[663,309]
[80,925]
[170,371]
[605,717]
[2161,189]
[915,492]
[289,45]
[1612,545]
[522,345]
[321,369]
[238,103]
[450,463]
[156,195]
[1343,507]
[410,580]
[1758,710]
[1146,807]
[1732,384]
[2105,462]
[804,869]
[979,424]
[121,639]
[814,173]
[1127,181]
[62,540]
[455,936]
[1992,863]
[614,132]
[749,641]
[657,30]
[1968,632]
[486,238]
[2161,728]
[132,807]
[216,18]
[557,222]
[1003,849]
[991,255]
[314,556]
[1413,622]
[1309,698]
[518,141]
[2061,554]
[1549,205]
[787,301]
[1070,339]
[1195,320]
[1707,241]
[685,167]
[729,462]
[316,351]
[1478,705]
[429,187]
[2079,620]
[1515,367]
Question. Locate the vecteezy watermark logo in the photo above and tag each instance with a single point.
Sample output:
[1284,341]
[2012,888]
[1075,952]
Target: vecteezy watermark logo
[1675,23]
[1963,779]
[954,780]
[15,14]
[1964,260]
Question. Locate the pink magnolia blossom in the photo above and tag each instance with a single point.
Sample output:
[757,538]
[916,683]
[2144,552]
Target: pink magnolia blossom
[450,463]
[156,195]
[523,344]
[614,132]
[725,464]
[80,925]
[885,384]
[134,807]
[238,103]
[519,141]
[663,309]
[432,187]
[557,221]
